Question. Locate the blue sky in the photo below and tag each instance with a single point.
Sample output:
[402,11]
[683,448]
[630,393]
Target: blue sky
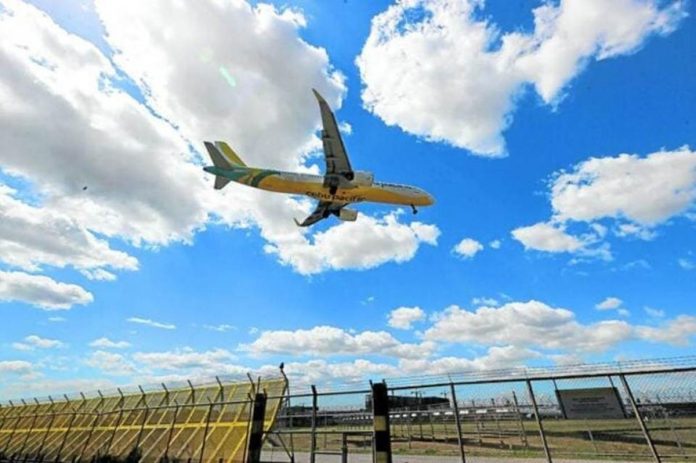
[561,151]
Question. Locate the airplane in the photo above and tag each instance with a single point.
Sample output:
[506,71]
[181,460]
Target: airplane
[338,187]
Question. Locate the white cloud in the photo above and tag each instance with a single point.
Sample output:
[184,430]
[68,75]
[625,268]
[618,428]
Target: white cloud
[609,303]
[643,190]
[496,357]
[15,367]
[636,231]
[99,275]
[468,248]
[404,317]
[221,328]
[677,331]
[613,303]
[485,301]
[187,361]
[495,244]
[654,313]
[41,291]
[110,363]
[637,193]
[686,264]
[56,319]
[535,324]
[33,236]
[33,342]
[548,237]
[152,323]
[319,371]
[365,243]
[435,69]
[530,323]
[329,340]
[106,343]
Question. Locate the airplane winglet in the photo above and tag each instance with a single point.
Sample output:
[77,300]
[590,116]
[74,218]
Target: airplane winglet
[318,96]
[297,222]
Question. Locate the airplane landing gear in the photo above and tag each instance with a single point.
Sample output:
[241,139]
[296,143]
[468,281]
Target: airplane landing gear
[413,208]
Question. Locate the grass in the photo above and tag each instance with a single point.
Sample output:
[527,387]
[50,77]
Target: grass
[591,439]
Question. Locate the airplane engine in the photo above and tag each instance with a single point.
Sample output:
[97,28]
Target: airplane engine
[348,215]
[362,178]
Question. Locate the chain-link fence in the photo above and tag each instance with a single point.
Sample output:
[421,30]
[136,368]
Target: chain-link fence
[628,411]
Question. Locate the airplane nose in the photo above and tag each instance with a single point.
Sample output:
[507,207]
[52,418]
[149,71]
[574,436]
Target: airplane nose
[430,199]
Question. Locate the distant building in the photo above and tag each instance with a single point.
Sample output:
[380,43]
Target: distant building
[407,402]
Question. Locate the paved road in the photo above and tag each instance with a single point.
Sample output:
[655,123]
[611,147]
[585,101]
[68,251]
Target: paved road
[280,456]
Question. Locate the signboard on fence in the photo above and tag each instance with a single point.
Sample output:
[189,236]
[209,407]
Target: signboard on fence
[598,403]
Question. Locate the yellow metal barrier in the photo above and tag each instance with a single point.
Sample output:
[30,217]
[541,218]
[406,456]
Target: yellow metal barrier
[208,423]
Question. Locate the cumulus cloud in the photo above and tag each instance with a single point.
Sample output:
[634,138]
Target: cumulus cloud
[437,70]
[41,291]
[151,323]
[404,317]
[536,324]
[33,236]
[106,343]
[548,237]
[365,243]
[330,340]
[468,248]
[634,193]
[643,190]
[33,342]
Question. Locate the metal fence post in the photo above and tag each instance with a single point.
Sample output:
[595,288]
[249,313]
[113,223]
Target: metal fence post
[256,435]
[205,430]
[636,412]
[457,422]
[380,412]
[547,453]
[313,437]
[171,428]
[523,432]
[146,415]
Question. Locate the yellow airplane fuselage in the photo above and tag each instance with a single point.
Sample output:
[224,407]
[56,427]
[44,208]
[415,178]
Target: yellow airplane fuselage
[313,186]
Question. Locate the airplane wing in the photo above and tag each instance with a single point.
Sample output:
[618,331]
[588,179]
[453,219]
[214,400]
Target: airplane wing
[322,211]
[337,162]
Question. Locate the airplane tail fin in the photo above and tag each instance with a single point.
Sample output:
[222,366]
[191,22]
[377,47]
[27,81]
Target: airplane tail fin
[229,154]
[223,157]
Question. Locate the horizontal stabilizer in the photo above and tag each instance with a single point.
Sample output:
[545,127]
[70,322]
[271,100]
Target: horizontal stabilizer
[220,182]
